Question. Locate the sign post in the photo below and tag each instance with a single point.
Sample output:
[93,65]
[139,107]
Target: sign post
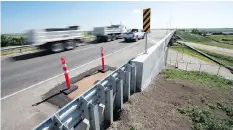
[146,24]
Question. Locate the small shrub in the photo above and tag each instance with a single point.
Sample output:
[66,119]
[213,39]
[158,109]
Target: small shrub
[205,119]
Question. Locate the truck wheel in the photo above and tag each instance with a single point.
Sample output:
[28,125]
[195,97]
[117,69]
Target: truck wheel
[69,45]
[113,37]
[136,39]
[108,38]
[57,47]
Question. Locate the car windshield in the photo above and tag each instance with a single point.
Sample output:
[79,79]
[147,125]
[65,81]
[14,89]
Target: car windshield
[132,30]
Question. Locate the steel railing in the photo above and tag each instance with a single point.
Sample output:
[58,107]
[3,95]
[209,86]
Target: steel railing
[107,95]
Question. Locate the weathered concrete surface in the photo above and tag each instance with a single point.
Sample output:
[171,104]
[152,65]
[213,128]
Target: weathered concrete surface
[150,64]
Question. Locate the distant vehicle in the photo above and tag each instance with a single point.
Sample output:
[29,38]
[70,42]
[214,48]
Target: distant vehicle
[134,35]
[55,39]
[109,33]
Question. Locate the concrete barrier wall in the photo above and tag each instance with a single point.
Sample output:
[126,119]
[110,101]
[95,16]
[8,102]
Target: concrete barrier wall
[151,64]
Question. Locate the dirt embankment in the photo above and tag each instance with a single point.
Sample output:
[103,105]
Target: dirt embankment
[157,107]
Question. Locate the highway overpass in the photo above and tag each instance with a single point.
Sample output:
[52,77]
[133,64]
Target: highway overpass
[25,79]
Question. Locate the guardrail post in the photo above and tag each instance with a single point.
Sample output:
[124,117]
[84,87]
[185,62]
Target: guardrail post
[122,74]
[84,125]
[127,86]
[84,107]
[101,93]
[119,94]
[94,117]
[113,84]
[57,124]
[133,78]
[108,114]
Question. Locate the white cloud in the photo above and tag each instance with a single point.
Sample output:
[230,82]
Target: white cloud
[136,11]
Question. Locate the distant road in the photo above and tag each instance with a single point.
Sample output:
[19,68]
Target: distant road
[20,72]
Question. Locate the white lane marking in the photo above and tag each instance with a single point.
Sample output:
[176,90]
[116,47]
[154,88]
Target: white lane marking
[84,48]
[101,44]
[34,85]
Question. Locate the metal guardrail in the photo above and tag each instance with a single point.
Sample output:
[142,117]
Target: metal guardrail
[97,104]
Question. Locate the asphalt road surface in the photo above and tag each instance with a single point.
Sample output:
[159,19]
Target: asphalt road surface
[20,72]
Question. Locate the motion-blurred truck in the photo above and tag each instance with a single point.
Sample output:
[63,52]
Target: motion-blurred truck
[55,39]
[109,33]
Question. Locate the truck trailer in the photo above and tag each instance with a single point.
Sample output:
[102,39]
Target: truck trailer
[109,33]
[55,39]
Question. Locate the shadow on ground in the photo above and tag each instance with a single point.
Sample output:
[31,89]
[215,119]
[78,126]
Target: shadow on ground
[55,97]
[42,53]
[30,55]
[126,42]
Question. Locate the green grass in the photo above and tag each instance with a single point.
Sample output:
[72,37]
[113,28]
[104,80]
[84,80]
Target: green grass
[86,35]
[18,35]
[227,60]
[188,51]
[17,51]
[222,38]
[211,116]
[198,77]
[207,118]
[189,37]
[209,29]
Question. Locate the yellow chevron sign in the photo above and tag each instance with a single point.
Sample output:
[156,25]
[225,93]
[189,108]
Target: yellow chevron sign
[146,20]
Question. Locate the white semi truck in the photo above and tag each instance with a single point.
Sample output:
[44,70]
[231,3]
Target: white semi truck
[109,33]
[55,39]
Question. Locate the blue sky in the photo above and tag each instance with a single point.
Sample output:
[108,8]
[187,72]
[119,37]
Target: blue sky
[19,16]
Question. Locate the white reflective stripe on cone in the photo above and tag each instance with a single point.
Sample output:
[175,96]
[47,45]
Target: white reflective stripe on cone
[66,71]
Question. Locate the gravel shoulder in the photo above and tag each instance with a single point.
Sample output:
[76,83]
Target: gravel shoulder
[156,108]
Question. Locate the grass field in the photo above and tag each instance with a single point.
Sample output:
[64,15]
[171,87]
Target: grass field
[16,35]
[227,60]
[18,51]
[222,38]
[199,77]
[210,114]
[189,37]
[208,117]
[86,35]
[188,51]
[210,29]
